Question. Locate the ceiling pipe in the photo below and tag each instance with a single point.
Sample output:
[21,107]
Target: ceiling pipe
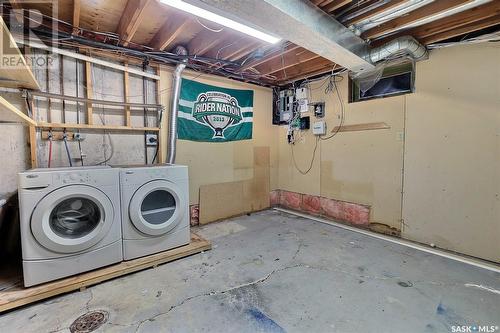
[174,105]
[306,25]
[405,45]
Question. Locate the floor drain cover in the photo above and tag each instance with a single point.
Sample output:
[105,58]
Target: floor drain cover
[89,322]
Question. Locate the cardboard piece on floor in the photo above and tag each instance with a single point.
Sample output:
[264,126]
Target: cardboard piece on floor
[223,200]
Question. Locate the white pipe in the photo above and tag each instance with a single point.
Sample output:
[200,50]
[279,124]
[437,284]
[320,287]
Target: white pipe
[473,262]
[88,59]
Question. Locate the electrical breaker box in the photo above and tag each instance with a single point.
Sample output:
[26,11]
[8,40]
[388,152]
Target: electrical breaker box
[286,102]
[319,128]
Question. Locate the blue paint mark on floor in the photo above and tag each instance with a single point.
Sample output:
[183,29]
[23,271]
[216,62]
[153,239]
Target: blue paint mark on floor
[263,322]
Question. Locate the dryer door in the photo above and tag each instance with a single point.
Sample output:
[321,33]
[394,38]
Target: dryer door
[72,218]
[156,207]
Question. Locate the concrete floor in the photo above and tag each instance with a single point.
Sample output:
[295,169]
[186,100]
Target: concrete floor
[273,272]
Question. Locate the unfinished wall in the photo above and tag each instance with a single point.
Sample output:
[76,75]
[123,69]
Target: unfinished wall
[98,146]
[449,131]
[452,154]
[226,166]
[363,167]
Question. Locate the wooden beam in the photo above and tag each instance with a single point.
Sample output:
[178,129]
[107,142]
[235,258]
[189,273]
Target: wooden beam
[15,295]
[289,60]
[131,18]
[471,27]
[241,53]
[15,72]
[302,69]
[18,10]
[369,14]
[89,89]
[449,23]
[96,127]
[168,32]
[271,56]
[76,15]
[421,13]
[361,127]
[206,40]
[11,108]
[336,4]
[126,93]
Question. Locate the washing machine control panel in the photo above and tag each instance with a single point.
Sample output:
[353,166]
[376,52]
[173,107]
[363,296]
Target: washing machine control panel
[139,176]
[73,177]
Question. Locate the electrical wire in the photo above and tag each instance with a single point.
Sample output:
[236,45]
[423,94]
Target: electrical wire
[312,159]
[208,28]
[65,139]
[50,150]
[332,85]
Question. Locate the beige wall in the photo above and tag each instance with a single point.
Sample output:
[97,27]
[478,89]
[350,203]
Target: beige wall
[452,159]
[448,131]
[214,163]
[449,134]
[361,167]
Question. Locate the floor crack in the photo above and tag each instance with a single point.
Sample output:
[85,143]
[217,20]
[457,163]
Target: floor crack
[213,293]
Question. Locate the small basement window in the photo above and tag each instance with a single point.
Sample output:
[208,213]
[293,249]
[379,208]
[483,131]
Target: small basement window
[395,80]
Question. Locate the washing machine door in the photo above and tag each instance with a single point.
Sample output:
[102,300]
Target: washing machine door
[72,218]
[156,207]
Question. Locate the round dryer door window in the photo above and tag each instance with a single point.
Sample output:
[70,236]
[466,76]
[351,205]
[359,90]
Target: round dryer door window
[72,218]
[156,207]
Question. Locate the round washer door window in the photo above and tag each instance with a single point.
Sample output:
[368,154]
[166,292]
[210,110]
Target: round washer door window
[156,207]
[72,219]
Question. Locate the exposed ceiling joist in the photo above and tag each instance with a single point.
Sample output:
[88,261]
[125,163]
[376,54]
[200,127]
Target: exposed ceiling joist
[414,16]
[16,5]
[76,15]
[334,5]
[377,10]
[300,22]
[131,19]
[308,67]
[206,40]
[271,55]
[169,31]
[289,60]
[468,28]
[449,23]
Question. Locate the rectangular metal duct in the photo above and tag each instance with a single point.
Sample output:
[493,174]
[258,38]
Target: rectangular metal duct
[299,22]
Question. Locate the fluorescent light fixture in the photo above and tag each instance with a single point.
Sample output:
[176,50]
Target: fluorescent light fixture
[207,15]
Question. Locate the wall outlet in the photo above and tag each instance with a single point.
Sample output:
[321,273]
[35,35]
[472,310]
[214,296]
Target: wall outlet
[151,139]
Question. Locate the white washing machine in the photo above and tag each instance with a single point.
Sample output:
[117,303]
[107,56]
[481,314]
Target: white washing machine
[155,209]
[70,221]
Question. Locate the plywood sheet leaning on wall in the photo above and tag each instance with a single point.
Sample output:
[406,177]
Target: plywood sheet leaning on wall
[223,200]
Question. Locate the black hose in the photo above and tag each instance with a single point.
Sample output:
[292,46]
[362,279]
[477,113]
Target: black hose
[67,150]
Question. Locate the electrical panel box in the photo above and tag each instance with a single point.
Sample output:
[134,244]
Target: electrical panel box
[286,102]
[319,128]
[302,93]
[303,105]
[319,109]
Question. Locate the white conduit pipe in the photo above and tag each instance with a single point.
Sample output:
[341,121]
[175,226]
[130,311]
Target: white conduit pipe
[473,262]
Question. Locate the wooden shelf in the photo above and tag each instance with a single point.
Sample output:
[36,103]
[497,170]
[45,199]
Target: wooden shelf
[16,74]
[5,105]
[96,127]
[14,295]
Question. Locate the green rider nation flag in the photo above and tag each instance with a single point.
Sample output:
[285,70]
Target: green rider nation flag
[214,114]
